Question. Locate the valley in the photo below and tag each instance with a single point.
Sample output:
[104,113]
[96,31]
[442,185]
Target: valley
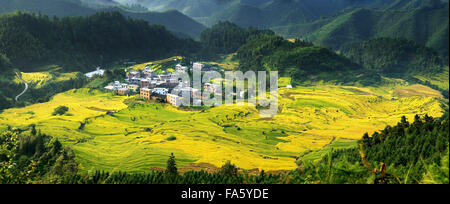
[135,137]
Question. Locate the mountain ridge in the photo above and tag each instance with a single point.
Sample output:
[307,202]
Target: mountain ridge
[173,20]
[427,25]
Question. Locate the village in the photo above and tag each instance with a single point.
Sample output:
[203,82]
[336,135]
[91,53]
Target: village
[160,87]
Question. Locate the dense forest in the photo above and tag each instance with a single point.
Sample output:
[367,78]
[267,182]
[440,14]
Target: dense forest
[409,146]
[414,152]
[31,42]
[25,158]
[80,44]
[395,56]
[300,60]
[226,38]
[173,20]
[304,61]
[5,64]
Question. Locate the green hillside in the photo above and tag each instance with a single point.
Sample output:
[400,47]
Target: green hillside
[411,4]
[77,43]
[427,25]
[5,75]
[300,60]
[395,56]
[267,13]
[34,44]
[242,15]
[226,38]
[172,20]
[5,64]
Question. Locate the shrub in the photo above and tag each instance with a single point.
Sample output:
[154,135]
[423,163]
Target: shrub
[60,110]
[171,138]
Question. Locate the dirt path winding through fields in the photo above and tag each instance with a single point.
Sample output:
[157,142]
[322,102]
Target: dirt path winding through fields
[26,86]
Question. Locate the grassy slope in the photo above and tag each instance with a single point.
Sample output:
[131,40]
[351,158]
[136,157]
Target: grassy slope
[134,139]
[440,80]
[40,79]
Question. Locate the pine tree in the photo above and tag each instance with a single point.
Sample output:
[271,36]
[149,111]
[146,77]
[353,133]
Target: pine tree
[171,166]
[33,130]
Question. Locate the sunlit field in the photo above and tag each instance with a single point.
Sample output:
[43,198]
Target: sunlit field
[227,62]
[39,79]
[440,80]
[82,104]
[155,64]
[140,135]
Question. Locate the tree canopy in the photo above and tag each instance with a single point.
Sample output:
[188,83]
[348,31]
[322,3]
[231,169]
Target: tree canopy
[81,43]
[399,55]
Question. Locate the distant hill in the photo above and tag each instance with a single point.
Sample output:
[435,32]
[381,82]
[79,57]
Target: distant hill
[275,12]
[428,25]
[242,15]
[99,4]
[395,56]
[172,20]
[192,8]
[267,13]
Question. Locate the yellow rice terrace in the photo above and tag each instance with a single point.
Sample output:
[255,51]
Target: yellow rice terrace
[119,133]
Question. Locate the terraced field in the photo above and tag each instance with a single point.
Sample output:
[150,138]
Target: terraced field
[140,135]
[82,104]
[227,62]
[156,64]
[440,80]
[39,79]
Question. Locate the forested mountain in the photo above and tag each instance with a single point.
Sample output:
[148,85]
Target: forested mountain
[98,4]
[172,20]
[226,38]
[280,12]
[300,60]
[5,65]
[330,23]
[427,25]
[411,4]
[262,12]
[192,8]
[80,43]
[395,56]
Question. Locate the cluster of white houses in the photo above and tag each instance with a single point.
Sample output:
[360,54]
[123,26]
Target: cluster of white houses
[153,86]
